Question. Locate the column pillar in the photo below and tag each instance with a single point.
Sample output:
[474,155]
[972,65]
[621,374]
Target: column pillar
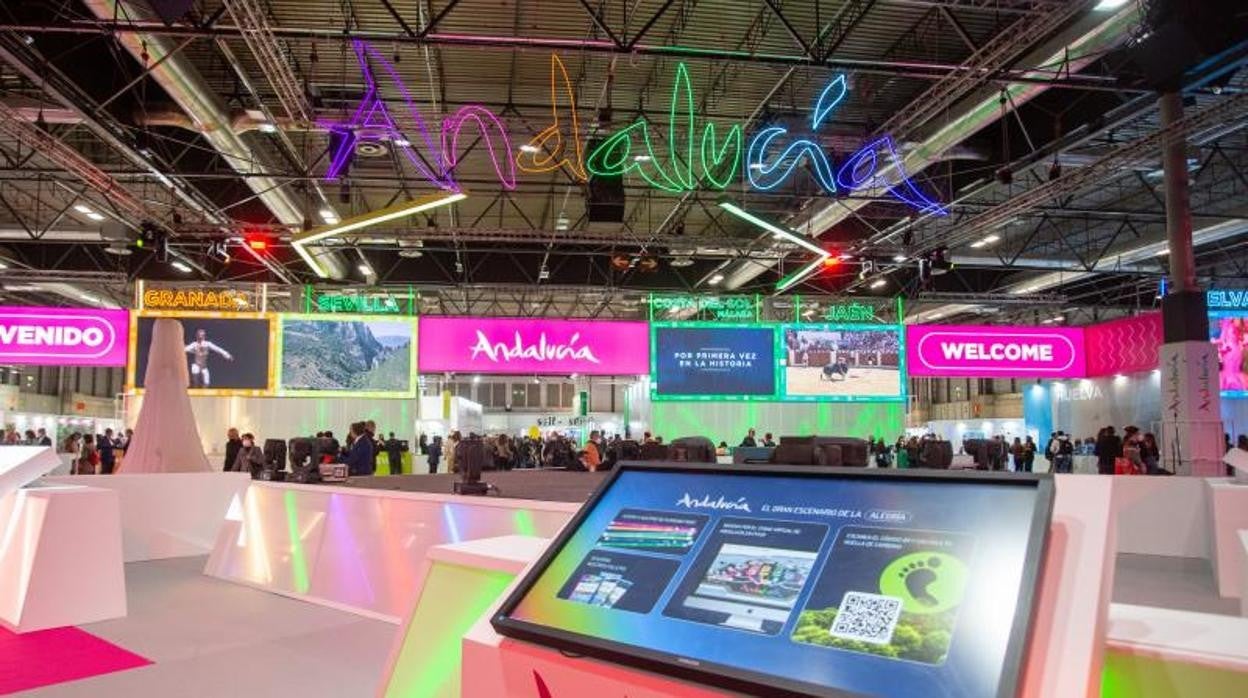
[1191,401]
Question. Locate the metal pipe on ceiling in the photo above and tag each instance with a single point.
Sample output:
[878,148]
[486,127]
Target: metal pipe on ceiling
[1075,49]
[183,82]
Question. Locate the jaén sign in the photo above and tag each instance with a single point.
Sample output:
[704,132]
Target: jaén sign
[989,351]
[63,336]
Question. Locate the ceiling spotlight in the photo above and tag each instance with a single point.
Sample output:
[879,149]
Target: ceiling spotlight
[95,216]
[681,262]
[756,165]
[899,258]
[181,266]
[528,148]
[561,223]
[366,270]
[641,158]
[267,127]
[476,379]
[879,283]
[402,142]
[714,280]
[543,274]
[329,216]
[82,209]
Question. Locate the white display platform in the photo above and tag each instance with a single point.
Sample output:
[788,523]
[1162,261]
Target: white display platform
[20,465]
[1160,515]
[360,550]
[1065,659]
[475,573]
[1243,579]
[60,557]
[1205,639]
[1228,514]
[167,515]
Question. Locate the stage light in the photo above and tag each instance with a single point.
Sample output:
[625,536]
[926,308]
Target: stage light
[879,283]
[95,216]
[402,143]
[526,148]
[182,267]
[267,127]
[384,215]
[366,270]
[776,230]
[258,244]
[82,209]
[1105,5]
[715,280]
[329,216]
[899,258]
[829,262]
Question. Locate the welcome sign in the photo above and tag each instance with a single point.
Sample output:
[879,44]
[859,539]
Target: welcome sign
[63,336]
[989,351]
[528,346]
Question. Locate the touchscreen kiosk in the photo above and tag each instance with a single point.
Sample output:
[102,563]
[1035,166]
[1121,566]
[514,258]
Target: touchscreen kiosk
[810,581]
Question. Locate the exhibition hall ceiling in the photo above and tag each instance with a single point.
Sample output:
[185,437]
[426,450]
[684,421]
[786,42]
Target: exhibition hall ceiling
[1016,140]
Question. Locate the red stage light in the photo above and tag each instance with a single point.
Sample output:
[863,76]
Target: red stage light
[258,245]
[833,261]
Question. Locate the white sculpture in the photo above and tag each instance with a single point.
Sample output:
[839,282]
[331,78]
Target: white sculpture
[166,438]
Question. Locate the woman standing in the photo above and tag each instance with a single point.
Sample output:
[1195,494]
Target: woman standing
[1150,454]
[1029,454]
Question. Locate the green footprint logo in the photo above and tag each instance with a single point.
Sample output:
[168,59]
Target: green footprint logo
[926,582]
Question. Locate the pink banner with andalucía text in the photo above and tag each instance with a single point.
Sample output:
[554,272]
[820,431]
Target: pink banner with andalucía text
[529,346]
[992,351]
[63,336]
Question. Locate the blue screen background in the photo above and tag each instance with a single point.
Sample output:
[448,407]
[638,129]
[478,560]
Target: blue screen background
[675,379]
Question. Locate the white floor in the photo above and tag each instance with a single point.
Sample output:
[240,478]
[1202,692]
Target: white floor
[1180,583]
[210,638]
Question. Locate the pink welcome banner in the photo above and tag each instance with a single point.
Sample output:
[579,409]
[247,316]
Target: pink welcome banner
[1125,345]
[530,346]
[989,351]
[63,336]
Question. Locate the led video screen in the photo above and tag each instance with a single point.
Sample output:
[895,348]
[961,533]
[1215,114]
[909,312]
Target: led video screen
[361,355]
[1229,333]
[224,354]
[843,363]
[723,362]
[808,581]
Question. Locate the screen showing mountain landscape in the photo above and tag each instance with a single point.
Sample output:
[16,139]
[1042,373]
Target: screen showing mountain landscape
[367,356]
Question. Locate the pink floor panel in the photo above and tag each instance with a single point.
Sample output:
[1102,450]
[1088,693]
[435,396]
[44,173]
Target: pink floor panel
[48,657]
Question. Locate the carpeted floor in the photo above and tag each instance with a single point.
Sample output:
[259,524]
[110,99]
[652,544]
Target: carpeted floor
[544,485]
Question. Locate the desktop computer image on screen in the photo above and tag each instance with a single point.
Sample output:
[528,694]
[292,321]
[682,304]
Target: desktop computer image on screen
[805,581]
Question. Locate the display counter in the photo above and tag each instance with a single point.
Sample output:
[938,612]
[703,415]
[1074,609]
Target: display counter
[60,558]
[166,515]
[359,550]
[1228,515]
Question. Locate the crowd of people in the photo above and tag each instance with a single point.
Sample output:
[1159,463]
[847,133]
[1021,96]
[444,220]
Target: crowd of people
[93,455]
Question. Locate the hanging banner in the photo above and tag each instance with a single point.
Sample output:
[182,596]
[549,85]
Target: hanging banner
[359,303]
[732,309]
[528,346]
[990,351]
[63,336]
[1126,345]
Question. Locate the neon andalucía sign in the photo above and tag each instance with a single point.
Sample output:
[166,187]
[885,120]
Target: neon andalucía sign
[696,154]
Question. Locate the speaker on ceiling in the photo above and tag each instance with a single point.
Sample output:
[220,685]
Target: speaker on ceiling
[605,196]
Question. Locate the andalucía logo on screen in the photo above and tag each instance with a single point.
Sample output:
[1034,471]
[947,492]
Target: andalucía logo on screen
[63,336]
[527,346]
[541,351]
[989,351]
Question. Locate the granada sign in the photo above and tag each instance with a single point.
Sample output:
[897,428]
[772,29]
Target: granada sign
[989,351]
[63,336]
[528,346]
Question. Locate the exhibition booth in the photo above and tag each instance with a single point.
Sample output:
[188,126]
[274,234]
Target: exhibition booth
[670,580]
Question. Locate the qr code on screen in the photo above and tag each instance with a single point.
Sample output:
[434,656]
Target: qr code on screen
[866,618]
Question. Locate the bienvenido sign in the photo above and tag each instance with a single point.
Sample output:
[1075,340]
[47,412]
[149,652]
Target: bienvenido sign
[529,346]
[63,336]
[995,352]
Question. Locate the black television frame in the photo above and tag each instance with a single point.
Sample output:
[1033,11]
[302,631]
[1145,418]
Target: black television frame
[757,683]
